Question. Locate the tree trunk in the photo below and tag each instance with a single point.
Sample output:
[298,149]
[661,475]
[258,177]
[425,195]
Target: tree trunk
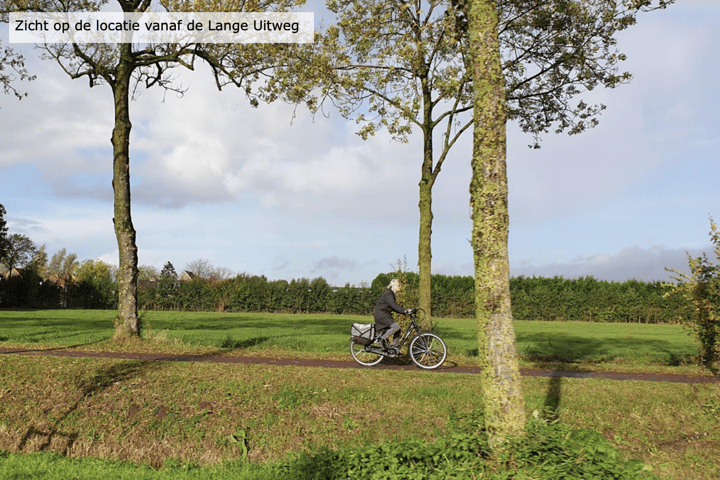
[425,248]
[500,377]
[427,181]
[127,323]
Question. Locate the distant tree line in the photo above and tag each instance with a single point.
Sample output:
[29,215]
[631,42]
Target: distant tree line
[536,298]
[561,299]
[93,285]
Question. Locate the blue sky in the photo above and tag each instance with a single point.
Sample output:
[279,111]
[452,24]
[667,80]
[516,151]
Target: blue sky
[256,191]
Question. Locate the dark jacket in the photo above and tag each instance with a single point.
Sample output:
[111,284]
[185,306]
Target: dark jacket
[384,308]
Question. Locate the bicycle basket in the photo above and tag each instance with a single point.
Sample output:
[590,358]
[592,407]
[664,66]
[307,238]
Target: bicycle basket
[363,333]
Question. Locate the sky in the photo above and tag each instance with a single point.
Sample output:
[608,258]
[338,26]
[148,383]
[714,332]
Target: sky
[274,191]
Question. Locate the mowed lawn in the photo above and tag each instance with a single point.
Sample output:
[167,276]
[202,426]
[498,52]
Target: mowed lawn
[541,342]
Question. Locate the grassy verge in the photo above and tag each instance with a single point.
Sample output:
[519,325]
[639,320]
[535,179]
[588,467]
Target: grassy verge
[164,414]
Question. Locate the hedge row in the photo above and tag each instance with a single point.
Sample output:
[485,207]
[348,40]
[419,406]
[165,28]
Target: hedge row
[247,293]
[536,298]
[588,299]
[31,292]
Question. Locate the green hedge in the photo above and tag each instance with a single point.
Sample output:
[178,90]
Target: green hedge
[533,298]
[536,298]
[29,291]
[588,299]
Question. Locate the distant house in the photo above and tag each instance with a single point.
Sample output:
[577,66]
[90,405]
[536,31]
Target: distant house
[60,282]
[186,276]
[15,272]
[144,284]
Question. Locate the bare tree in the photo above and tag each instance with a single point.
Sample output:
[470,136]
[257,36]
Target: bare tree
[202,268]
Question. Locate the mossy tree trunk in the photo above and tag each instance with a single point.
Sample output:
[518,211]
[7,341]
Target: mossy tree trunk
[425,251]
[427,179]
[127,323]
[500,377]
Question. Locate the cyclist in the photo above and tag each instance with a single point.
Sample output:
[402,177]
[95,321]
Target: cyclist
[383,312]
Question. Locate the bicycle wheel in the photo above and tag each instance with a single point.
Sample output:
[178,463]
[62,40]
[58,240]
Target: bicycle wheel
[428,351]
[361,356]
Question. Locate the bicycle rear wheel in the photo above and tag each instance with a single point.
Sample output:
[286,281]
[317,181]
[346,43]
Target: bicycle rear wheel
[428,351]
[361,356]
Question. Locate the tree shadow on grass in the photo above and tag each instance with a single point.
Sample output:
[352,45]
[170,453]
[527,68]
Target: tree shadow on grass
[231,344]
[58,348]
[563,348]
[52,436]
[553,397]
[314,325]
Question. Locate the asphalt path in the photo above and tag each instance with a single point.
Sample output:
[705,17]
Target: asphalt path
[448,367]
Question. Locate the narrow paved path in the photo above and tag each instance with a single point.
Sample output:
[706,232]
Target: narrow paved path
[448,367]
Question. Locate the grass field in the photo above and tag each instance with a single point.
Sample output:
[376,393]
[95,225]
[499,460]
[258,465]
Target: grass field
[242,421]
[625,347]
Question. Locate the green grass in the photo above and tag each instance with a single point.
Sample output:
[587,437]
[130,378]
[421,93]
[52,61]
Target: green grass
[223,416]
[187,420]
[615,343]
[51,465]
[56,327]
[624,347]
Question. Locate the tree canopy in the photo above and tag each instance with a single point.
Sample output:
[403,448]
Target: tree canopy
[554,50]
[168,271]
[19,252]
[393,65]
[62,264]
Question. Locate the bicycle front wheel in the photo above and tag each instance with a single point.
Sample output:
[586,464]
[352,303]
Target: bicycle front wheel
[361,356]
[428,351]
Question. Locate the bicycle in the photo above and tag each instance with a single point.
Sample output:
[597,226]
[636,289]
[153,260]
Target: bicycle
[427,350]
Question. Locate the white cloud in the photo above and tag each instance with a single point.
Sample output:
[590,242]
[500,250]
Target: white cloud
[212,147]
[644,264]
[60,127]
[84,230]
[251,192]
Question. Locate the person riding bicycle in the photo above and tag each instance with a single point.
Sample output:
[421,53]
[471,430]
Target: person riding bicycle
[383,312]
